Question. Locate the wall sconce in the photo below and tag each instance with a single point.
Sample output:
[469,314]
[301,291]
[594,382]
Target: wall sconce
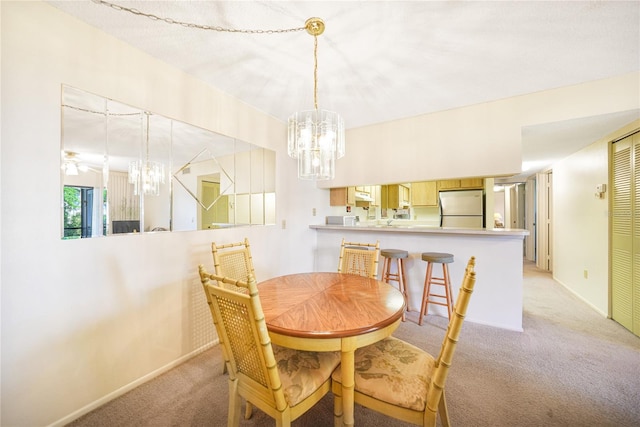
[600,190]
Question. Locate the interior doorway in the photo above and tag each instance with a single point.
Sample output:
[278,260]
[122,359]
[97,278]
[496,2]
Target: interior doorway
[514,207]
[544,221]
[214,212]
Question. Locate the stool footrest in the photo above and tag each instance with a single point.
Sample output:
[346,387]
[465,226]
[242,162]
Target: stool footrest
[430,280]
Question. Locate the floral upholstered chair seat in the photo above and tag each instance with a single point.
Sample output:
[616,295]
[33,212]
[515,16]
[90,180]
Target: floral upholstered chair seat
[302,372]
[393,371]
[399,380]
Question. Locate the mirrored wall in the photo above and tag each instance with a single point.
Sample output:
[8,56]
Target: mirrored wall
[127,170]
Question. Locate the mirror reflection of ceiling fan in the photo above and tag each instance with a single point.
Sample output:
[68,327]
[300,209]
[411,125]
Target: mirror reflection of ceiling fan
[71,164]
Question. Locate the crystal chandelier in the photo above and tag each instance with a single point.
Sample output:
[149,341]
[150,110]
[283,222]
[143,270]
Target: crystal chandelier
[316,137]
[146,175]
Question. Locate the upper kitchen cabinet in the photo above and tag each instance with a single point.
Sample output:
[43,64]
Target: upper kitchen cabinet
[367,196]
[424,193]
[465,183]
[343,196]
[395,196]
[375,195]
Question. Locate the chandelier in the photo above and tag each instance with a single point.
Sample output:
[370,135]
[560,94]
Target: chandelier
[146,175]
[316,137]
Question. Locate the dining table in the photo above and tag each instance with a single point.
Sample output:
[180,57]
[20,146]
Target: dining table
[325,311]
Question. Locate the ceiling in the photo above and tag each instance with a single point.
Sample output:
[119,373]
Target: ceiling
[384,60]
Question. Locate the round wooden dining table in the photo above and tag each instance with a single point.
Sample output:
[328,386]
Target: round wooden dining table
[331,312]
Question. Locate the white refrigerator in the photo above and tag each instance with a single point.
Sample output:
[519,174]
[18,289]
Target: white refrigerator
[462,208]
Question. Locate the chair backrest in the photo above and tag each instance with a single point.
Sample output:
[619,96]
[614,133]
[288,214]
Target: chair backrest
[237,314]
[233,260]
[443,363]
[359,258]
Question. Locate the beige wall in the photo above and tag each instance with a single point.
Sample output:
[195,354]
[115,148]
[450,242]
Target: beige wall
[83,321]
[480,140]
[581,222]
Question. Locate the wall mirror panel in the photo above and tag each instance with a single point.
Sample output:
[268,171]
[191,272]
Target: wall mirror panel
[128,170]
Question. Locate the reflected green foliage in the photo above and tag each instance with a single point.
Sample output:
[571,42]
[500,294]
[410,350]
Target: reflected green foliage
[72,213]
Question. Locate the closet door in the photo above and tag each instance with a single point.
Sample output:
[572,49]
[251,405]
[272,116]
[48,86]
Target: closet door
[625,233]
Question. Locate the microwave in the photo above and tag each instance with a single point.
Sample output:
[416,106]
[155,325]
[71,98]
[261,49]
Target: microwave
[349,220]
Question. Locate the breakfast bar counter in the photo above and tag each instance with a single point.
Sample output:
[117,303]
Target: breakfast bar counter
[499,254]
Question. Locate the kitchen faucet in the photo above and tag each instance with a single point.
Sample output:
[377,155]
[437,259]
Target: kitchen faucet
[389,221]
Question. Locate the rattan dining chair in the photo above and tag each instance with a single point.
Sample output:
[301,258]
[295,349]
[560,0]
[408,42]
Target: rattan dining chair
[282,382]
[233,260]
[359,258]
[402,381]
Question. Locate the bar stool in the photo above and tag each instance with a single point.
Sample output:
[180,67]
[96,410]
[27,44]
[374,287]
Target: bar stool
[427,296]
[400,275]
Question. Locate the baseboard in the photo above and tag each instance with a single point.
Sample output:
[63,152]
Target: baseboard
[495,325]
[574,293]
[122,390]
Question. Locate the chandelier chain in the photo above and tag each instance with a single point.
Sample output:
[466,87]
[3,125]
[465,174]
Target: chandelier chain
[196,26]
[315,72]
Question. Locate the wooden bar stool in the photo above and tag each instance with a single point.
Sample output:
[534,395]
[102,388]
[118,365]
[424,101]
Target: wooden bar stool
[400,275]
[428,294]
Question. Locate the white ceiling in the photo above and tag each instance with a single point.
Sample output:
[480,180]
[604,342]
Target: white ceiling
[384,60]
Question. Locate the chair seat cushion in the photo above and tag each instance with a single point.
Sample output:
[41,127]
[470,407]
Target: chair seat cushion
[303,372]
[393,371]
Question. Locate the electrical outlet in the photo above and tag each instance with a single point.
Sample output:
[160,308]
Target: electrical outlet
[284,224]
[313,212]
[586,274]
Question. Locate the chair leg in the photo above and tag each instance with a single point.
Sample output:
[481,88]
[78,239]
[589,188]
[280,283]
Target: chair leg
[248,410]
[399,276]
[425,293]
[385,270]
[447,282]
[401,285]
[443,411]
[403,273]
[233,417]
[284,419]
[337,409]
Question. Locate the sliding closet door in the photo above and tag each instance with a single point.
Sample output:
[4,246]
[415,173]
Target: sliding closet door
[625,233]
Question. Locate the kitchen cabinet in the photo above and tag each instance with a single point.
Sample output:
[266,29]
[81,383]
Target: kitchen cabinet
[395,196]
[370,191]
[466,183]
[375,195]
[448,184]
[472,183]
[424,193]
[343,196]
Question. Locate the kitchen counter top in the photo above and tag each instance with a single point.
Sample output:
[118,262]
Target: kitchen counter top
[428,229]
